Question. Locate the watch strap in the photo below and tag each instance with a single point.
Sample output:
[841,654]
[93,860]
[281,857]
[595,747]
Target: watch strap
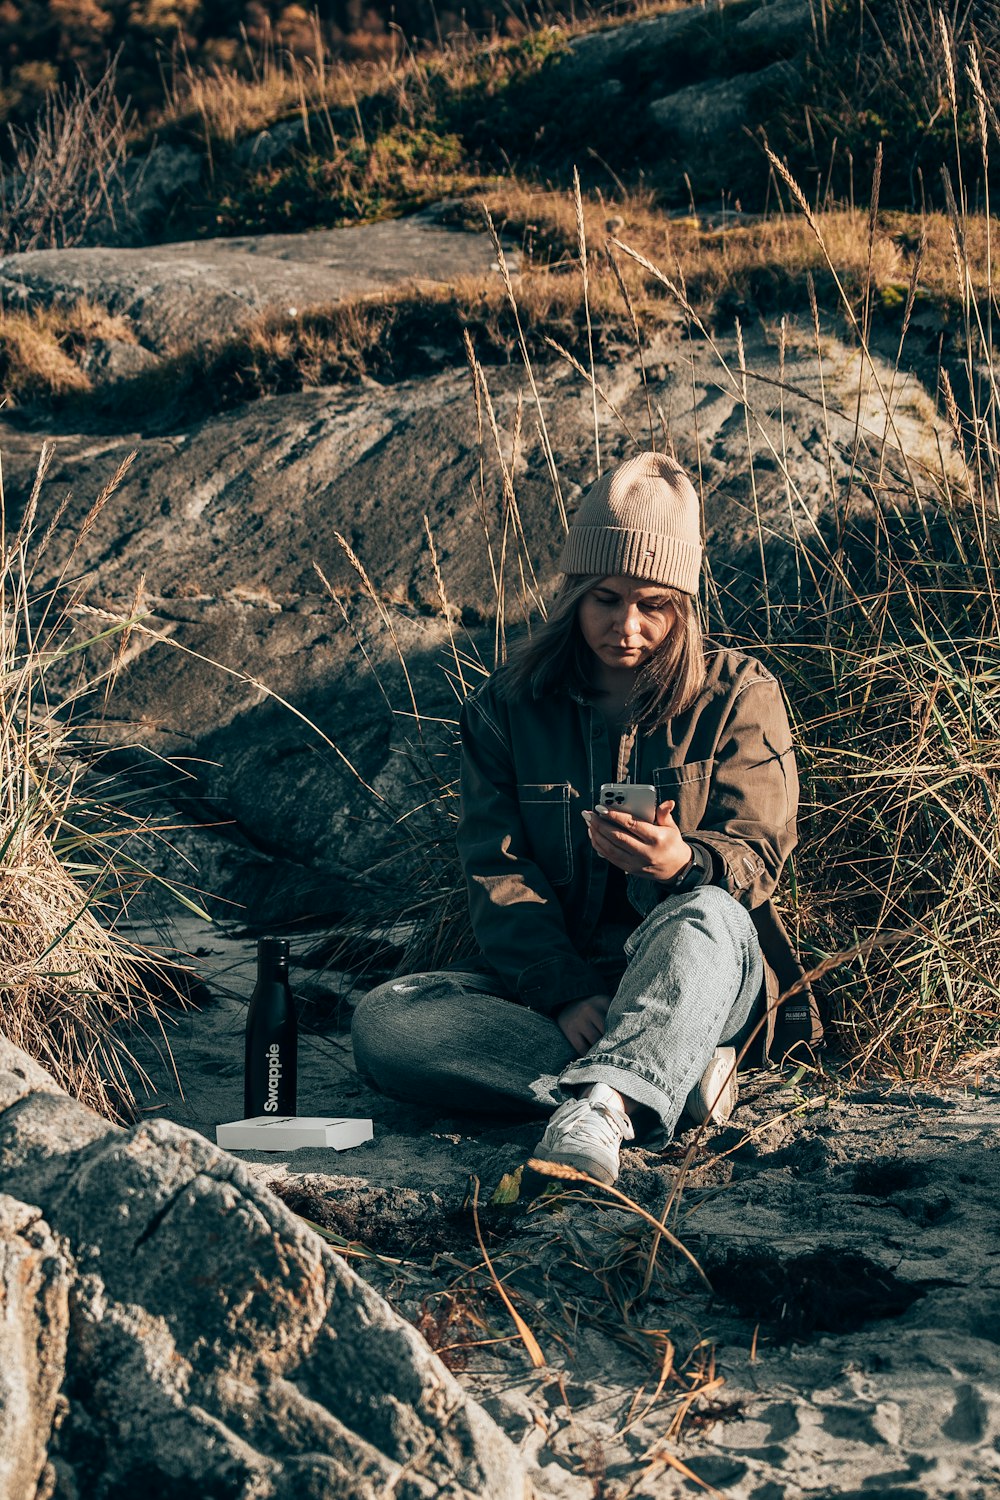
[698,871]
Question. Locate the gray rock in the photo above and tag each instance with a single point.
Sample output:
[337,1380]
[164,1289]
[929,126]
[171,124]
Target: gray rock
[267,147]
[705,111]
[151,184]
[192,291]
[205,1336]
[777,24]
[698,80]
[34,1329]
[608,49]
[773,25]
[107,361]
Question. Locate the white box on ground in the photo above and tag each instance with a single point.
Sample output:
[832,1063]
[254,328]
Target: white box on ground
[290,1132]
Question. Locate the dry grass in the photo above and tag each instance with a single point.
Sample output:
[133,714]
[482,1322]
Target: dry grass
[474,1284]
[596,1271]
[372,139]
[71,986]
[892,75]
[354,142]
[66,172]
[382,337]
[224,104]
[723,261]
[864,77]
[43,349]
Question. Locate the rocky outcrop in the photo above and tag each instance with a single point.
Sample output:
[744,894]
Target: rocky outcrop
[178,293]
[167,1326]
[683,93]
[758,28]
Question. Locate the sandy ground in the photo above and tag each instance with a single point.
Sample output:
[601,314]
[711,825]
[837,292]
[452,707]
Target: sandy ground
[850,1343]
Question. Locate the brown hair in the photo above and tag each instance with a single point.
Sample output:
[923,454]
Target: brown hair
[555,657]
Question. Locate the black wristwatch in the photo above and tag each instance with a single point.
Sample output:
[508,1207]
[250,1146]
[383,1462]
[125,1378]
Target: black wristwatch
[697,871]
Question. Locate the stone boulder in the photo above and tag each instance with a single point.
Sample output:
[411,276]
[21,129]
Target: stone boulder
[187,292]
[152,184]
[702,112]
[170,1327]
[756,30]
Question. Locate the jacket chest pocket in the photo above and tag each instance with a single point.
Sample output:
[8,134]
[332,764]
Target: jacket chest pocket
[687,787]
[545,809]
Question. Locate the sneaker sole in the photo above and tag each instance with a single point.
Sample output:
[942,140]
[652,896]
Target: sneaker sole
[580,1164]
[714,1098]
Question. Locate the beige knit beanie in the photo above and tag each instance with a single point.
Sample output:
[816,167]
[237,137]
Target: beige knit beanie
[640,520]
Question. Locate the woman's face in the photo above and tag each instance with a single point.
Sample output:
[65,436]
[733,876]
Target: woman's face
[623,620]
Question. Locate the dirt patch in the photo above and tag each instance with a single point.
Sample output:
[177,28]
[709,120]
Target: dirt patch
[826,1290]
[397,1222]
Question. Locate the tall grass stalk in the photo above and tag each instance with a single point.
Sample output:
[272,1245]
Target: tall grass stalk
[522,345]
[581,240]
[66,172]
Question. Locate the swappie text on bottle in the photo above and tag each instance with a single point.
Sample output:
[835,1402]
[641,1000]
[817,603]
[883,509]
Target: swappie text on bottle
[272,1036]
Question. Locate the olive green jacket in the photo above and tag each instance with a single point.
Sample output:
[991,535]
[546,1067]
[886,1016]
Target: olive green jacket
[535,886]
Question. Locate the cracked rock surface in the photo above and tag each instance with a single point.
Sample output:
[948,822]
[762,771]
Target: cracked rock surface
[169,1327]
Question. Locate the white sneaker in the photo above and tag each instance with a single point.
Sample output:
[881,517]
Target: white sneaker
[714,1098]
[586,1134]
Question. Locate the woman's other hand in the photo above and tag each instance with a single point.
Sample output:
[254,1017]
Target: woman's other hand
[656,851]
[582,1023]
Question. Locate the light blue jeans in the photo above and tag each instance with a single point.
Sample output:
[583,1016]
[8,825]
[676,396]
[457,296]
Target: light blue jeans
[689,978]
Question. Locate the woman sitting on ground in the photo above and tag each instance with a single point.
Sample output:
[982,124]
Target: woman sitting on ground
[624,961]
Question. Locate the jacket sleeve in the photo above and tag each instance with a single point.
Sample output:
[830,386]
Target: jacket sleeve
[749,821]
[516,916]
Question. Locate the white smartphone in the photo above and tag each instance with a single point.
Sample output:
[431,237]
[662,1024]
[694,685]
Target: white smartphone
[635,797]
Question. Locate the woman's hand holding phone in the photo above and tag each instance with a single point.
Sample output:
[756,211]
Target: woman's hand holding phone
[582,1022]
[656,850]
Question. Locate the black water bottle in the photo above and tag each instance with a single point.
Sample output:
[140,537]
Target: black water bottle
[272,1036]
